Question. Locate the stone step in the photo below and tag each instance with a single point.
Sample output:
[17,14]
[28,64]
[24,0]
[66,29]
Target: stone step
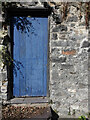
[30,119]
[26,112]
[32,100]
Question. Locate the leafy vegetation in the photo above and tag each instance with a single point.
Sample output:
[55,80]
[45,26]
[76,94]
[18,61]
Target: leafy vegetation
[82,117]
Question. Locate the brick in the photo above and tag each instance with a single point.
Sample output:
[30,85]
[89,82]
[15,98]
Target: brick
[69,52]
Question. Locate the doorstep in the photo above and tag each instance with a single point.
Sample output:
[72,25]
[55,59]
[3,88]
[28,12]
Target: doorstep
[29,119]
[31,100]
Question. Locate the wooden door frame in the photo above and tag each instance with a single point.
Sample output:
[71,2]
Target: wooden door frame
[11,12]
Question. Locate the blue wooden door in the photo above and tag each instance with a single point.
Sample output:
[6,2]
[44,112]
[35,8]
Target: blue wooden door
[30,57]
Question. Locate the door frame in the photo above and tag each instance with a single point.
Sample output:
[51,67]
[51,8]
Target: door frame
[45,12]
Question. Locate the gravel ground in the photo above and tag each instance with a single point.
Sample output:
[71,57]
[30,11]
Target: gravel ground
[23,112]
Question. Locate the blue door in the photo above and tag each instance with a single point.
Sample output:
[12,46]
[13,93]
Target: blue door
[30,56]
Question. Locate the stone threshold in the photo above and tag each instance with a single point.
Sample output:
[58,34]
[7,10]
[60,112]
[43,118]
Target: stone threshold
[31,100]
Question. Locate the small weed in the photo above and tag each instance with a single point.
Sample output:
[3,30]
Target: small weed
[69,113]
[82,117]
[55,111]
[50,102]
[73,111]
[88,114]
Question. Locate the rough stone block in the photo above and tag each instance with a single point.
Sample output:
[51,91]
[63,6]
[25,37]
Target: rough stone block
[3,76]
[0,97]
[57,59]
[4,89]
[55,44]
[4,83]
[72,19]
[60,28]
[1,47]
[81,85]
[55,75]
[0,83]
[82,24]
[76,37]
[55,50]
[59,43]
[72,25]
[64,43]
[66,66]
[85,44]
[72,90]
[4,96]
[55,36]
[75,107]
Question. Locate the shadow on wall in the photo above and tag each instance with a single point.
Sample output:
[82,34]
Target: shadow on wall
[8,63]
[55,116]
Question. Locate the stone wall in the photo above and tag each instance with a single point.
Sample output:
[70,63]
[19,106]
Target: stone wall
[3,72]
[69,47]
[0,79]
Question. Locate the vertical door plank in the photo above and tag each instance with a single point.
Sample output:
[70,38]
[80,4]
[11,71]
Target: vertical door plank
[22,59]
[37,88]
[45,39]
[16,58]
[28,68]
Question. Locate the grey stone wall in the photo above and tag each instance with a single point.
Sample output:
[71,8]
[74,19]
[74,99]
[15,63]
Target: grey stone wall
[69,48]
[89,71]
[3,71]
[69,64]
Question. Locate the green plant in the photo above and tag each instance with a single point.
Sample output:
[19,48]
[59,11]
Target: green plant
[55,111]
[82,117]
[88,114]
[50,102]
[69,113]
[73,111]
